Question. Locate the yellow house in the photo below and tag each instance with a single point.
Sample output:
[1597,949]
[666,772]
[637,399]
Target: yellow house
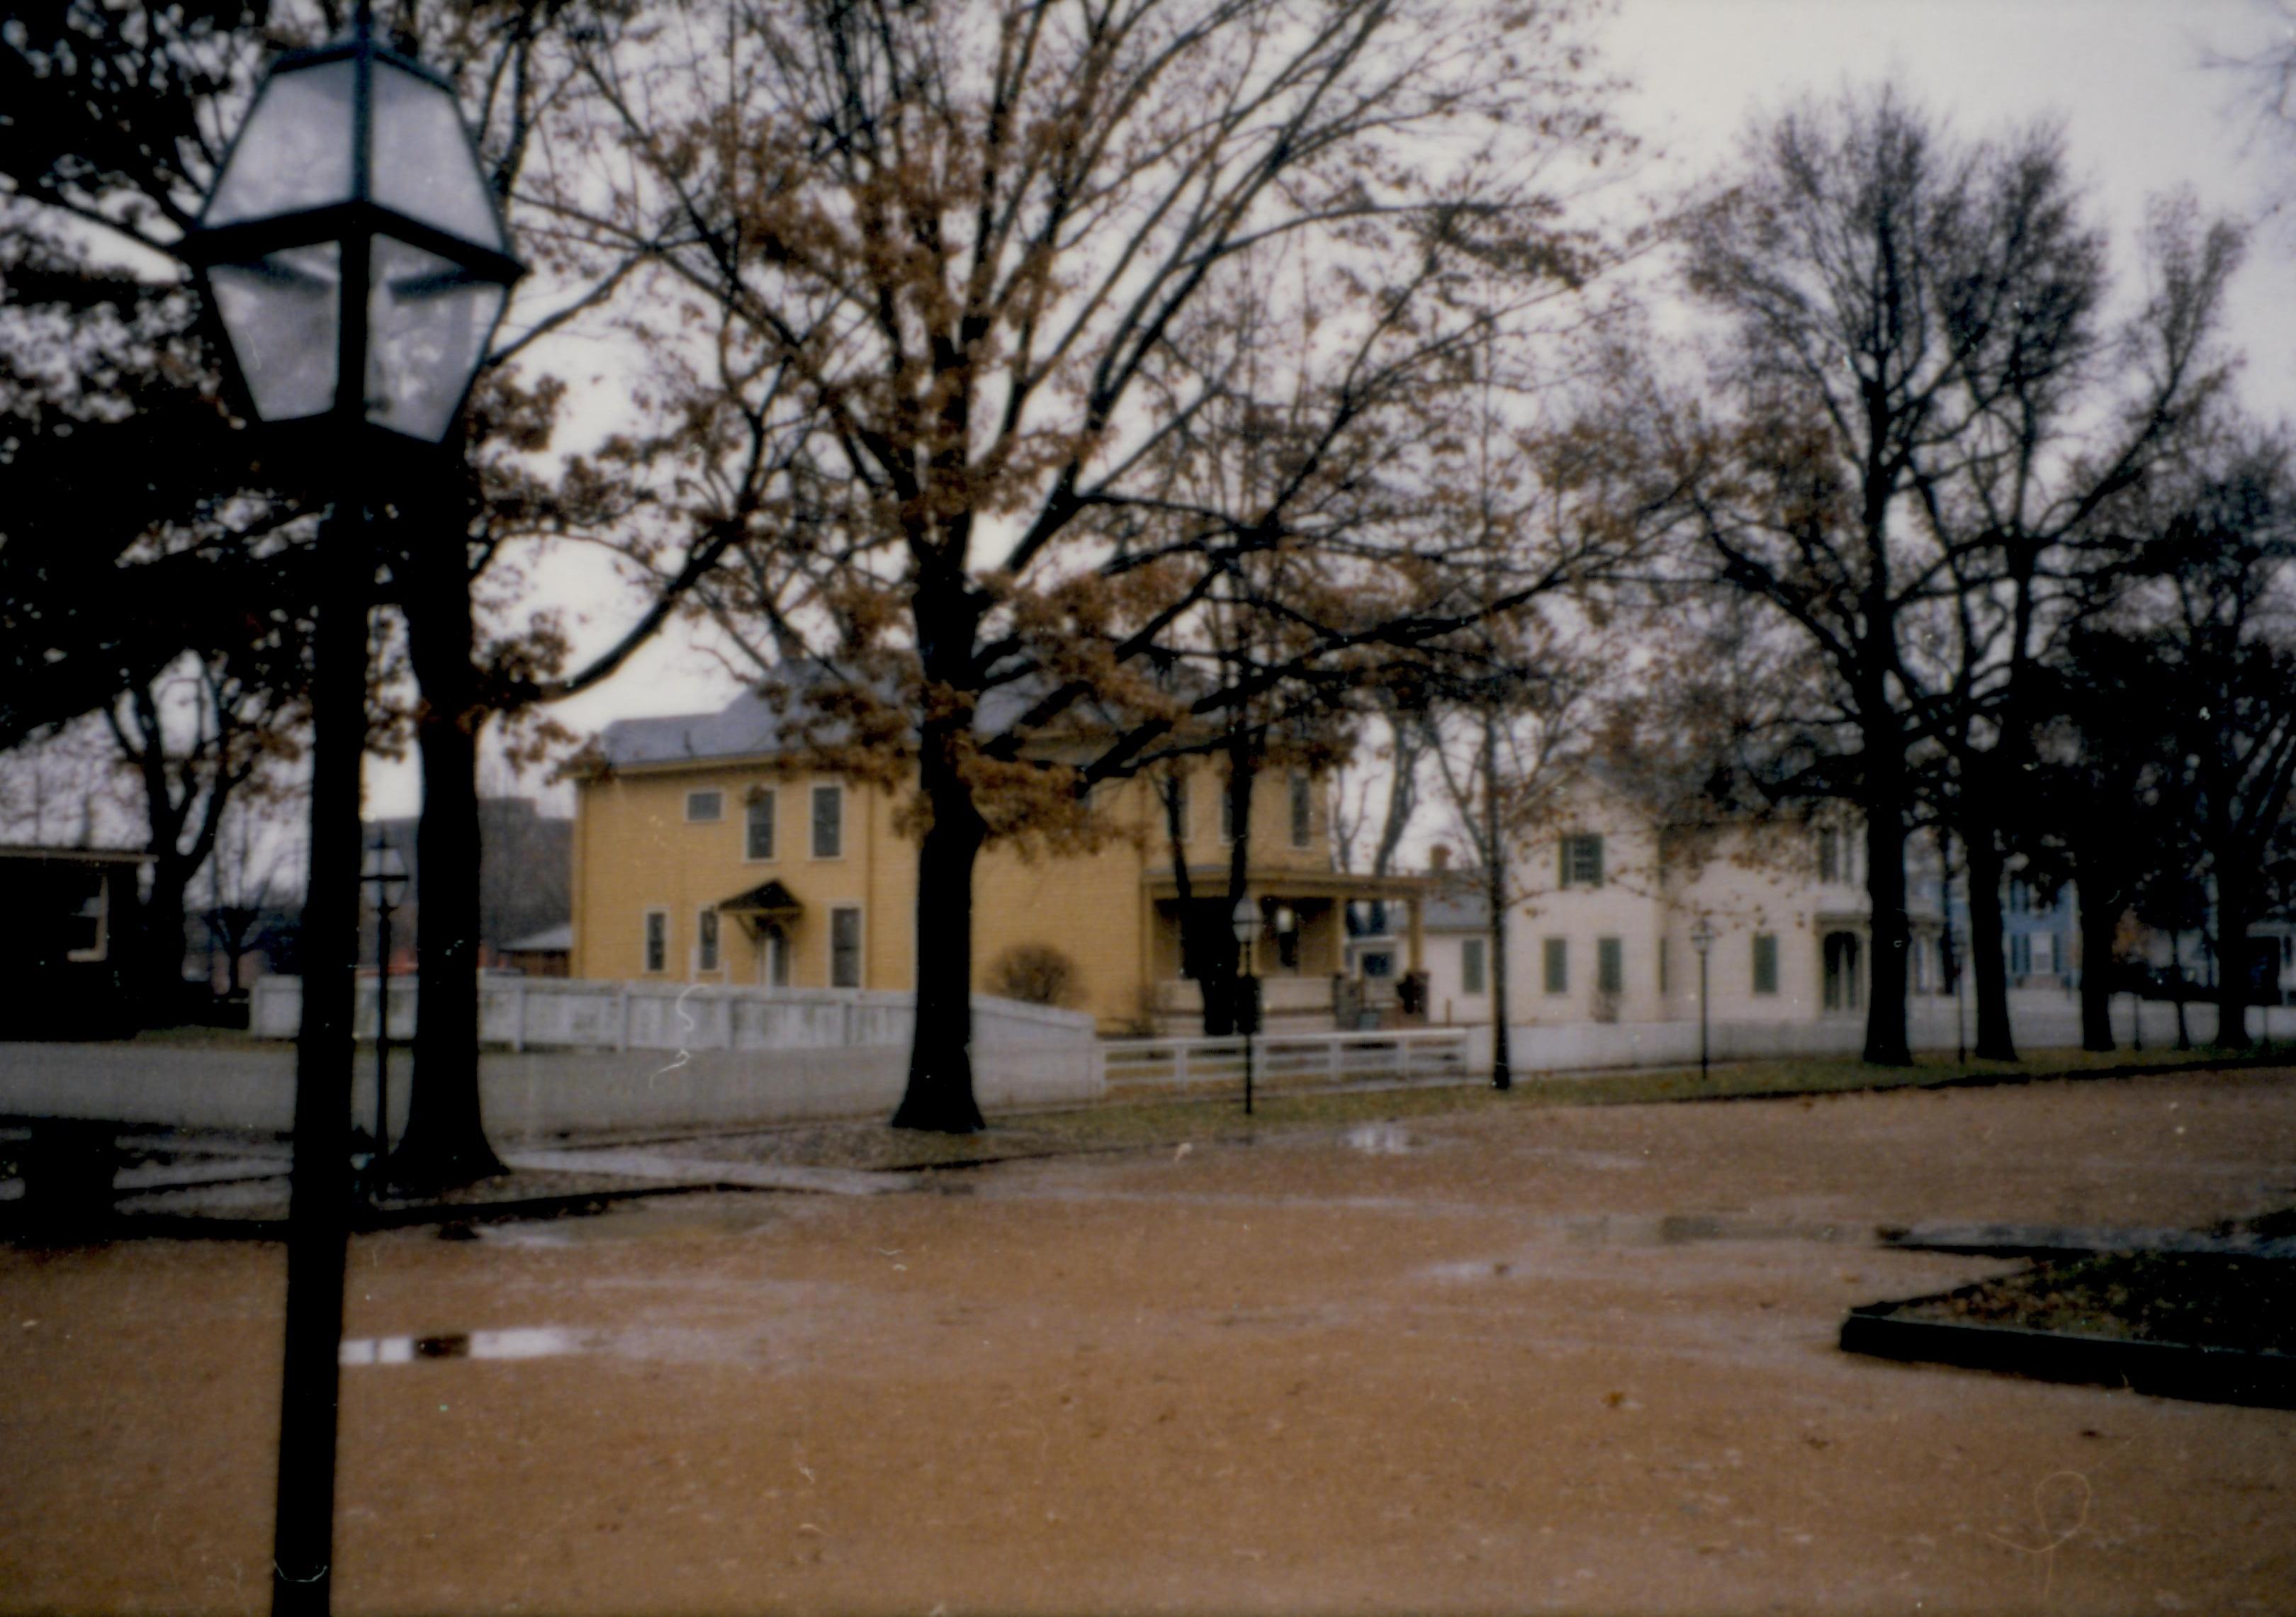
[706,851]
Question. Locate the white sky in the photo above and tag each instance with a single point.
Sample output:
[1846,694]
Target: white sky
[2142,114]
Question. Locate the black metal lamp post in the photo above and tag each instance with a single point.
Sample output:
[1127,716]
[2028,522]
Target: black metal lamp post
[353,254]
[384,872]
[1245,921]
[1702,939]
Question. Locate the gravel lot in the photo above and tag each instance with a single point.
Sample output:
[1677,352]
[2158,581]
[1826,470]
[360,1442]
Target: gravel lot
[1509,1360]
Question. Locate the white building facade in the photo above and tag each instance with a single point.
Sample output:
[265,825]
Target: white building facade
[1606,908]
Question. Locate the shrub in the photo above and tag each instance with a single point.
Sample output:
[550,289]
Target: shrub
[1036,974]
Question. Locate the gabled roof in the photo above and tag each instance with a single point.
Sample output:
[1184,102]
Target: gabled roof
[767,898]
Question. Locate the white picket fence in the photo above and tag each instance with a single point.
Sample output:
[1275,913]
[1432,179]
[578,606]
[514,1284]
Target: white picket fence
[1135,1066]
[566,1014]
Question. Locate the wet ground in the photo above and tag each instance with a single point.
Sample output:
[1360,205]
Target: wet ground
[1510,1360]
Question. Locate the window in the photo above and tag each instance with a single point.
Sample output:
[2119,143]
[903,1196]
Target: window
[1765,962]
[758,843]
[657,941]
[1582,861]
[1303,810]
[704,807]
[1609,967]
[705,940]
[1471,966]
[829,822]
[1829,855]
[2021,899]
[1557,952]
[1844,979]
[845,948]
[83,928]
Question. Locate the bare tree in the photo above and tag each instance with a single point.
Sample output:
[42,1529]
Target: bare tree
[1911,326]
[986,256]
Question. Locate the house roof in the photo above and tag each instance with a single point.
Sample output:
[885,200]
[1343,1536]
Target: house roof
[1457,907]
[550,940]
[773,718]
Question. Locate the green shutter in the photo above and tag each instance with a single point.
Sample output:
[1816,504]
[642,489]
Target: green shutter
[1765,962]
[1558,965]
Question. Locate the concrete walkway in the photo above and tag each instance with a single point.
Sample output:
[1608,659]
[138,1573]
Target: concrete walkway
[665,1167]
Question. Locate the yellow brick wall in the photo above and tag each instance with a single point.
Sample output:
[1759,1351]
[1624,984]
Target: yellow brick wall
[635,850]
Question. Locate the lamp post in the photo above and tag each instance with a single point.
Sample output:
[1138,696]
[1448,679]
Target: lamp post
[1245,922]
[385,873]
[1702,939]
[353,255]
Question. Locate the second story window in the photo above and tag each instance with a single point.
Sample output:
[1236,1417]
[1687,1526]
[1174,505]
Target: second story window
[1582,860]
[704,807]
[1303,810]
[1829,855]
[829,822]
[758,843]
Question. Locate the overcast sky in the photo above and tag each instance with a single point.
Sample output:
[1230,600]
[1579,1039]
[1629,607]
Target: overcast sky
[2143,114]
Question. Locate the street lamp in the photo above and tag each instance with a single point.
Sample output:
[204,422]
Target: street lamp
[384,872]
[353,255]
[1702,939]
[1245,922]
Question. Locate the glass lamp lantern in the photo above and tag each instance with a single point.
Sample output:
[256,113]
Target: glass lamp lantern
[351,233]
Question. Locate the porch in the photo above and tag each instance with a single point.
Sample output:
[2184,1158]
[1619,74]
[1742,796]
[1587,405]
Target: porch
[1301,954]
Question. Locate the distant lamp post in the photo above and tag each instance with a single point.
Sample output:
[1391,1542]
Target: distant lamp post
[1702,939]
[353,255]
[1245,922]
[384,875]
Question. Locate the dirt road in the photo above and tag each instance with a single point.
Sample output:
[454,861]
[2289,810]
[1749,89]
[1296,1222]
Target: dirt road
[1512,1360]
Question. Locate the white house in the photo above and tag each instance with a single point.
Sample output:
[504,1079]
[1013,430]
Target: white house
[1607,906]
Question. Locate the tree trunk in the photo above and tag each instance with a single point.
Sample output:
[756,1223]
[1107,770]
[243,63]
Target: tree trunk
[1495,891]
[1987,959]
[1886,1044]
[939,1093]
[157,984]
[2100,921]
[2235,987]
[446,1141]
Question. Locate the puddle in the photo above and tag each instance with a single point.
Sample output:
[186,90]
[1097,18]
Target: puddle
[521,1342]
[671,1219]
[1383,1139]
